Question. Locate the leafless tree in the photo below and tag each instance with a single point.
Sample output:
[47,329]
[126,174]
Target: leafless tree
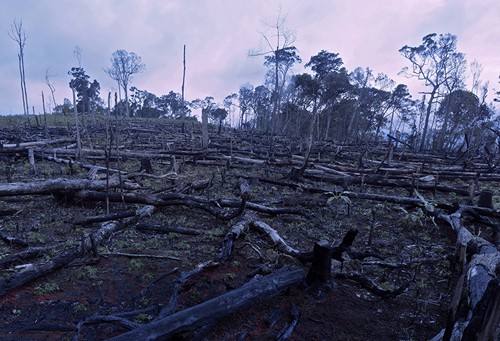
[475,70]
[123,65]
[18,34]
[51,86]
[77,52]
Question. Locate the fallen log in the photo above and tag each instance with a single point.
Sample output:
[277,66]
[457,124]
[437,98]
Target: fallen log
[481,271]
[217,308]
[198,202]
[59,185]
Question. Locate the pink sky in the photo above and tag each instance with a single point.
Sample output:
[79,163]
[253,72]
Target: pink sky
[219,34]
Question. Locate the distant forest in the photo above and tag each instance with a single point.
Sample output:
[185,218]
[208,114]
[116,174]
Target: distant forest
[327,103]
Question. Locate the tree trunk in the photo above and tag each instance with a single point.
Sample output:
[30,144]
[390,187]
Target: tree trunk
[427,116]
[204,129]
[77,124]
[214,310]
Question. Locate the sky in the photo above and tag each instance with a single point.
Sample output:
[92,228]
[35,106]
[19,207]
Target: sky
[219,34]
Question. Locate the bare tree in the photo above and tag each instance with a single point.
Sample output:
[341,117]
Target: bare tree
[279,52]
[18,34]
[77,52]
[123,65]
[51,86]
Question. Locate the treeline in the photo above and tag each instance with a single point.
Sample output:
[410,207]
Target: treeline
[330,102]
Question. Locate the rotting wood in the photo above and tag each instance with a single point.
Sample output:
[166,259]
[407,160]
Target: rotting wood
[217,308]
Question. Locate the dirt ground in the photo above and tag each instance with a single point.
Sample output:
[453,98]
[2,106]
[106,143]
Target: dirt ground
[51,307]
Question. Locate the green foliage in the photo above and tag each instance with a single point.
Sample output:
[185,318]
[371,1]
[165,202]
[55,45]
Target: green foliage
[80,307]
[336,198]
[135,264]
[36,237]
[143,318]
[46,288]
[87,272]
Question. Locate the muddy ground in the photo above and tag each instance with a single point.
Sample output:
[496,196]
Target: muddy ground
[115,282]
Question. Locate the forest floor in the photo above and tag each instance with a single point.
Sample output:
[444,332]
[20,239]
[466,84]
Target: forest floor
[115,281]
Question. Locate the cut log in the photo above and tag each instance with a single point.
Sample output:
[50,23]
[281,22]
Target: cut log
[58,185]
[217,308]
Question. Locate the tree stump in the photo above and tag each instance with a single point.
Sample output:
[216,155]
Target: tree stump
[485,199]
[319,276]
[146,166]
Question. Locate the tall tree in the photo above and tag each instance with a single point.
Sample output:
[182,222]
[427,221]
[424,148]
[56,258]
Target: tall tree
[245,96]
[434,62]
[261,105]
[87,92]
[280,54]
[123,66]
[466,114]
[18,34]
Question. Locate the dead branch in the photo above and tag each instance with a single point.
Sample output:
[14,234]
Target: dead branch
[371,286]
[139,255]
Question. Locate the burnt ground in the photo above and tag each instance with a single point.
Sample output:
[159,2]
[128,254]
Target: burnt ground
[50,307]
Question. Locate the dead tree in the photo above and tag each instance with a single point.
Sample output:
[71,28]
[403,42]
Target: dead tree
[18,34]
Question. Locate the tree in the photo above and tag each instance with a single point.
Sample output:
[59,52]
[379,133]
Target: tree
[218,115]
[172,105]
[51,86]
[87,93]
[123,66]
[465,113]
[280,55]
[206,105]
[18,34]
[245,96]
[401,104]
[262,106]
[434,62]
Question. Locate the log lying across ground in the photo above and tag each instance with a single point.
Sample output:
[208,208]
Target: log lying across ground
[217,308]
[59,185]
